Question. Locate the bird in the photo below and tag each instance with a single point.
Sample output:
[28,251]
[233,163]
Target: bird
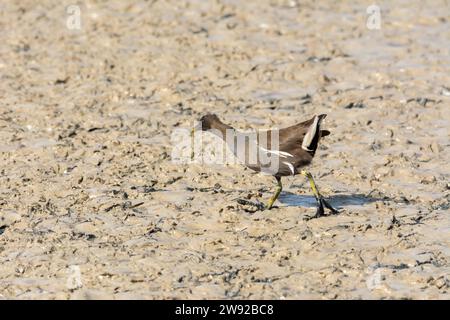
[291,149]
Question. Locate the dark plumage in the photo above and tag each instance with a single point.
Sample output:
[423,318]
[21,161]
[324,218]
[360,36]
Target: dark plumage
[296,148]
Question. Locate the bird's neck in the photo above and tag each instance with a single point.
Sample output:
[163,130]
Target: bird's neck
[220,129]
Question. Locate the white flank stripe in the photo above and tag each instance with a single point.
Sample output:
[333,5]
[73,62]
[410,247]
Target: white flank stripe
[278,153]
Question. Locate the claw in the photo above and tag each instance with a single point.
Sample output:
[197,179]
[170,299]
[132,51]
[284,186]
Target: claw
[328,206]
[321,203]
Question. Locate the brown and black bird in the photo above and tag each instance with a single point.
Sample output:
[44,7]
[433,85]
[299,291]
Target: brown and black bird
[291,149]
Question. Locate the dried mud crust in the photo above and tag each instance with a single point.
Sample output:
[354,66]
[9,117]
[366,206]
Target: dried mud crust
[86,179]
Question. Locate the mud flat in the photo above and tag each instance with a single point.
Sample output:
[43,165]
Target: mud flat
[91,205]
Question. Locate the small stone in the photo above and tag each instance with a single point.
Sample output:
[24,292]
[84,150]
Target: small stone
[441,283]
[445,91]
[428,179]
[74,278]
[435,147]
[8,217]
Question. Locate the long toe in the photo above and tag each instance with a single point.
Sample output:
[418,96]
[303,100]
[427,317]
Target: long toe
[320,211]
[328,206]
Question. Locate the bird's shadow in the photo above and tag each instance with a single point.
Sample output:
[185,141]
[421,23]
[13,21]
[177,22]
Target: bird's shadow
[338,201]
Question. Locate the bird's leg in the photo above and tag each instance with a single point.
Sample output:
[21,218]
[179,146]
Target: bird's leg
[277,193]
[321,202]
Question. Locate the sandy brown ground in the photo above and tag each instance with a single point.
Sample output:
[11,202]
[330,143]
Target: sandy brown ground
[87,182]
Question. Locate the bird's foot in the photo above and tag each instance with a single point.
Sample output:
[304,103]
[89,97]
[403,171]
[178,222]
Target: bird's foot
[319,213]
[329,207]
[321,203]
[259,205]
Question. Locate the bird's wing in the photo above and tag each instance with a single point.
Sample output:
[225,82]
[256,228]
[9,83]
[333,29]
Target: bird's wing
[294,135]
[305,134]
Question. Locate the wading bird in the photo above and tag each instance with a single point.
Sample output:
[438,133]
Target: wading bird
[291,149]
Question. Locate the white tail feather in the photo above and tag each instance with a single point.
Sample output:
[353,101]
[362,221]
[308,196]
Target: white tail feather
[312,131]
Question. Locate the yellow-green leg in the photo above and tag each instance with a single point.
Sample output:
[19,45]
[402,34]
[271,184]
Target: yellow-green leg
[314,188]
[277,193]
[321,202]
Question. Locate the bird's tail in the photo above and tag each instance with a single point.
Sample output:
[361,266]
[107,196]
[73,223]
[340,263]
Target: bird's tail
[313,135]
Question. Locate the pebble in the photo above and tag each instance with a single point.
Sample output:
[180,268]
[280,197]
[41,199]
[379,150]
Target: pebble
[7,218]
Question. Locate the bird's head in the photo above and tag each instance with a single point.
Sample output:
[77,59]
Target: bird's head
[207,121]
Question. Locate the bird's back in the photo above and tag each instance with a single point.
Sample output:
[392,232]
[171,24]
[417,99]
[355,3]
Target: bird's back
[304,135]
[290,148]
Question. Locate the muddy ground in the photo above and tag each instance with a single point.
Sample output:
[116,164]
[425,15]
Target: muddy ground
[91,205]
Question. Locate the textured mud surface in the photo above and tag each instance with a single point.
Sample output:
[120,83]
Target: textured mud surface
[91,205]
